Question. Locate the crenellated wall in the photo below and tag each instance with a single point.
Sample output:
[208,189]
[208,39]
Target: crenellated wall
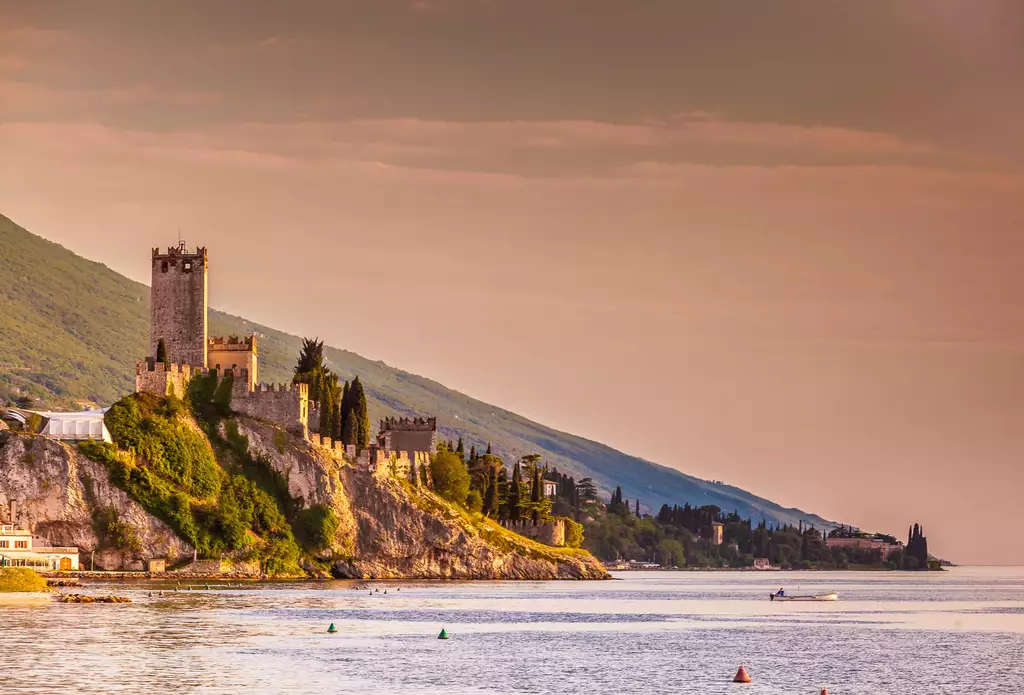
[410,435]
[546,532]
[284,404]
[163,378]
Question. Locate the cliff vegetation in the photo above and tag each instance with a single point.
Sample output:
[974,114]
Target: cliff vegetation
[166,462]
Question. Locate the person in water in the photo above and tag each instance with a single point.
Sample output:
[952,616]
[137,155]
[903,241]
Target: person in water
[782,592]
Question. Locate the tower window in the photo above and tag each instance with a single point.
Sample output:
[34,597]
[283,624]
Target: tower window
[163,267]
[187,266]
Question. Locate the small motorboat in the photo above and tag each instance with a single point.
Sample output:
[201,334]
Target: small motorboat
[830,596]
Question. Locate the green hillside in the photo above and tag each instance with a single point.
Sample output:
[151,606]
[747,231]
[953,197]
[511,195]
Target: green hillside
[71,330]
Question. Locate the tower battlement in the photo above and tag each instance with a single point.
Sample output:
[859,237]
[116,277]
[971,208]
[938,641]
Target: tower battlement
[175,253]
[234,342]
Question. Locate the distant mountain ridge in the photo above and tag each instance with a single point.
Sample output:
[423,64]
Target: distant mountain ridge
[71,330]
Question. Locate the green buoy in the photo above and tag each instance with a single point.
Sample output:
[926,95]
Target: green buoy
[332,628]
[443,635]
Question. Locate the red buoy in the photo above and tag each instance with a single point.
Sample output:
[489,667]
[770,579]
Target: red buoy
[824,691]
[741,676]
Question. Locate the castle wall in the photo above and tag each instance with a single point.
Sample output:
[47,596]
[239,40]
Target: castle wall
[546,532]
[162,378]
[284,404]
[178,299]
[408,435]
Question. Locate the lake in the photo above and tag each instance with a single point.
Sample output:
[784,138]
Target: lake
[959,631]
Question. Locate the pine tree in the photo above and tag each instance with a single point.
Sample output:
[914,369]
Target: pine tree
[472,453]
[161,351]
[488,447]
[637,507]
[311,356]
[460,449]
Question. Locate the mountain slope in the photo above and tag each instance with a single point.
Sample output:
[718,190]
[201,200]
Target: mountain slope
[71,330]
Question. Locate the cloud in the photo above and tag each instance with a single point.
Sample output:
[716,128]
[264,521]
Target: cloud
[546,149]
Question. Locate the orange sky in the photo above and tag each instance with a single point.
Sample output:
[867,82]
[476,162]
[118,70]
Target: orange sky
[776,247]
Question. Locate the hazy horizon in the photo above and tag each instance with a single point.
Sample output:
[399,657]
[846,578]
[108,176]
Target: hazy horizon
[777,246]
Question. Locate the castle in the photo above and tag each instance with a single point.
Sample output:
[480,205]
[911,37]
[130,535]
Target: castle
[181,349]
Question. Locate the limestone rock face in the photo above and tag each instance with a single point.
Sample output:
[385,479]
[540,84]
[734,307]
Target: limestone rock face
[56,490]
[383,531]
[313,476]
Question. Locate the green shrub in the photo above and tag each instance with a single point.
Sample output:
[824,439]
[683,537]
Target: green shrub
[157,433]
[451,479]
[222,396]
[201,388]
[573,533]
[316,527]
[20,579]
[112,532]
[474,501]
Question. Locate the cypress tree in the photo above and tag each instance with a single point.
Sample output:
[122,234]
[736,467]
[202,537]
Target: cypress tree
[491,496]
[336,424]
[637,507]
[513,493]
[460,449]
[349,430]
[472,453]
[361,413]
[536,493]
[488,447]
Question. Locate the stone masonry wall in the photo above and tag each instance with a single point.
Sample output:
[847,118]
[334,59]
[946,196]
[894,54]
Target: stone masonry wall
[178,298]
[284,404]
[159,377]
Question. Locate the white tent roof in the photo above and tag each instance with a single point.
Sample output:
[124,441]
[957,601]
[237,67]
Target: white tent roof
[84,424]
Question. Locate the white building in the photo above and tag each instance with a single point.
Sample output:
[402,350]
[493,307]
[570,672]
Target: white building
[84,424]
[17,550]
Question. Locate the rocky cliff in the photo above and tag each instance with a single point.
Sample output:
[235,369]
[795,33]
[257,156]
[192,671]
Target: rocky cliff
[385,526]
[65,499]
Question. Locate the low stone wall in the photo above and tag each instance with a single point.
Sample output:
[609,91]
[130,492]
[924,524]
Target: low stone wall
[222,567]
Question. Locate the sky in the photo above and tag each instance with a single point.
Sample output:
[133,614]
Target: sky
[775,244]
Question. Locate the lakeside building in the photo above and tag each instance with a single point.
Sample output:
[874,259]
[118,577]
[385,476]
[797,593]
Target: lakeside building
[860,543]
[18,550]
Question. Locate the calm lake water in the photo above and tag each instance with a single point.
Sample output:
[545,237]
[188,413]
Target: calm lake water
[960,631]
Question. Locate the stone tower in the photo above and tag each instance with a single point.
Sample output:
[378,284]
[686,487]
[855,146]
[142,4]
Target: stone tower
[178,298]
